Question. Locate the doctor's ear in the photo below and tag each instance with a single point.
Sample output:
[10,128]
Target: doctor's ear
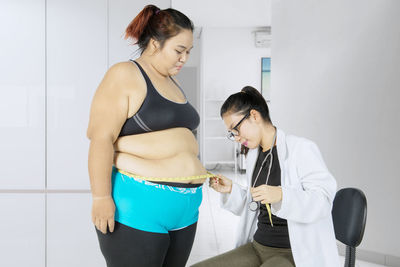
[255,115]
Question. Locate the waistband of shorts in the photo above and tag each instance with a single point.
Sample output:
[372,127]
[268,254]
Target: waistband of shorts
[155,185]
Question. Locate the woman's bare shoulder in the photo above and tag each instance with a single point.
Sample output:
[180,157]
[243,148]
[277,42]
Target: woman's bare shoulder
[124,72]
[125,79]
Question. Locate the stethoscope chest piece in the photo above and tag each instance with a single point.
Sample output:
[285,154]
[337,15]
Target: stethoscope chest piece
[253,206]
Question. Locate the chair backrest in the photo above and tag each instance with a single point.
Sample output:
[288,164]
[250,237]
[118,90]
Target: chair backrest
[349,214]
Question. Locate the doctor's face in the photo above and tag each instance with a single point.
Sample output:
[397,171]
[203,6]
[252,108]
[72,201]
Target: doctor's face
[242,128]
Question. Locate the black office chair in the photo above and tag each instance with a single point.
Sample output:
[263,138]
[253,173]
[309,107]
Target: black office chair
[349,214]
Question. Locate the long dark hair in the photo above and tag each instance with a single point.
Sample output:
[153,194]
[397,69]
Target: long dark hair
[158,24]
[247,99]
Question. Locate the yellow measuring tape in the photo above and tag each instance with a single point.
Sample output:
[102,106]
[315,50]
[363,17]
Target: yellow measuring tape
[269,213]
[182,178]
[168,179]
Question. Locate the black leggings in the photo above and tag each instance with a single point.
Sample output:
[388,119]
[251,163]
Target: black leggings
[129,247]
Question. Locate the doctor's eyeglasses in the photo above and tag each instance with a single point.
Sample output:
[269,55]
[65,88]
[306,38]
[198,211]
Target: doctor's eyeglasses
[235,130]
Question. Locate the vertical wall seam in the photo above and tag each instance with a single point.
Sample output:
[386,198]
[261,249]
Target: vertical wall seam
[108,34]
[45,132]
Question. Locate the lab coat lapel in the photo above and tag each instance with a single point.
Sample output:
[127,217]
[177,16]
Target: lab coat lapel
[282,154]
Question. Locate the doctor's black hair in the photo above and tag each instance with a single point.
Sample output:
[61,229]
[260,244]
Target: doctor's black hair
[247,99]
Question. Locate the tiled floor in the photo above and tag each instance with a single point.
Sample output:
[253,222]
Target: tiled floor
[217,227]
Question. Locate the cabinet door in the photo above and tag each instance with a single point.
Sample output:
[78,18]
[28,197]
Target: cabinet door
[22,241]
[71,236]
[76,63]
[22,90]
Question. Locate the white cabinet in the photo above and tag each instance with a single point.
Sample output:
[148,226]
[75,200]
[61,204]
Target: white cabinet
[71,236]
[76,63]
[22,241]
[22,90]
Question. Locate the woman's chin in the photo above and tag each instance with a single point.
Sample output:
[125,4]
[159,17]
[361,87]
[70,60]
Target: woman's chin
[174,72]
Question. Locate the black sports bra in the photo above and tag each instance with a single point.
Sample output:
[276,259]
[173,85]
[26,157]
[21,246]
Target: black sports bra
[158,113]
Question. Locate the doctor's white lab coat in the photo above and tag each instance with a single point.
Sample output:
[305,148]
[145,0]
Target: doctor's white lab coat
[308,190]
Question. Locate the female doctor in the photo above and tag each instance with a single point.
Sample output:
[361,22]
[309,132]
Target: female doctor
[285,210]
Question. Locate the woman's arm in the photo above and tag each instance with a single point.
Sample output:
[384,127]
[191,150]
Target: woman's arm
[236,200]
[108,113]
[233,196]
[314,200]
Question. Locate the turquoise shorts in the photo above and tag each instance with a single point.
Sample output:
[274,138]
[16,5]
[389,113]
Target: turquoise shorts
[153,207]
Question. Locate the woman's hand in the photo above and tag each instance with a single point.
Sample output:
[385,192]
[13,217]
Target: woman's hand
[103,210]
[266,193]
[221,184]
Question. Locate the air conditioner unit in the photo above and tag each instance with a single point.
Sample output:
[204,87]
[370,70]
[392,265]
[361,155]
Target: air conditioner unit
[263,39]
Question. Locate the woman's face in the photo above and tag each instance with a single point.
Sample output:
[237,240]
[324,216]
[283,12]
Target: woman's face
[175,53]
[249,132]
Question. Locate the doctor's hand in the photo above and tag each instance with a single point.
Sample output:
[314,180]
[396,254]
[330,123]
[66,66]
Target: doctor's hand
[103,210]
[266,193]
[221,184]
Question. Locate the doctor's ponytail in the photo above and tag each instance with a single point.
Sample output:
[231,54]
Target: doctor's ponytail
[248,98]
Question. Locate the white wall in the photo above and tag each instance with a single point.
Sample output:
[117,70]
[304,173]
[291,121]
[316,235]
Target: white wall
[229,61]
[22,132]
[76,52]
[54,54]
[335,80]
[226,13]
[22,101]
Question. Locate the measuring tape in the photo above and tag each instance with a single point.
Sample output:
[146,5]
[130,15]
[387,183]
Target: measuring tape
[168,179]
[269,213]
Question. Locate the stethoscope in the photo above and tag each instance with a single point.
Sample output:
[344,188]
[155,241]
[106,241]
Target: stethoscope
[254,206]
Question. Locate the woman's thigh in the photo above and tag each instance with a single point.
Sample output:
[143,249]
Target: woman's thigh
[180,246]
[274,257]
[127,246]
[279,261]
[244,256]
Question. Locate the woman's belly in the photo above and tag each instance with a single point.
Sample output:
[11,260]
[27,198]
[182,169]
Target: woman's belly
[163,154]
[181,165]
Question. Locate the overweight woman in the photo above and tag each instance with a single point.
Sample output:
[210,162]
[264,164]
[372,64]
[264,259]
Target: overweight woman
[145,176]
